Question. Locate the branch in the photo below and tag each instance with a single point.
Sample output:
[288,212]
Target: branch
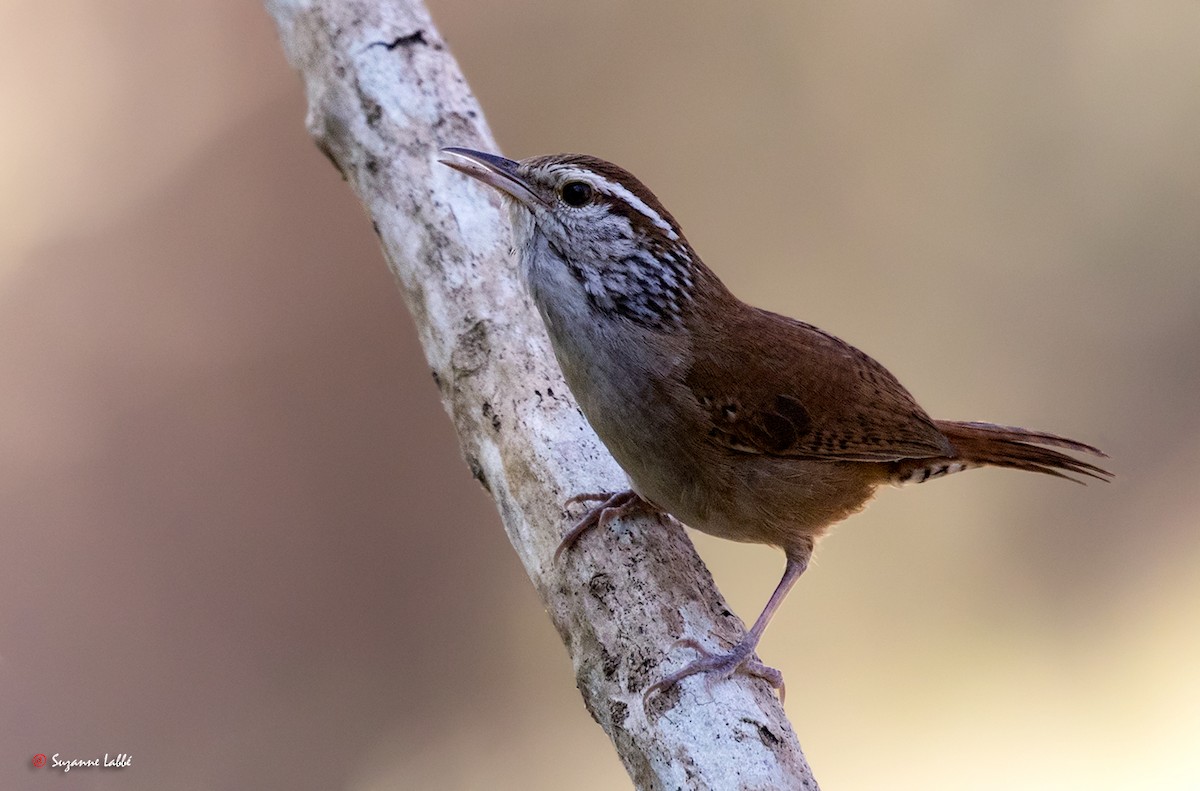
[384,95]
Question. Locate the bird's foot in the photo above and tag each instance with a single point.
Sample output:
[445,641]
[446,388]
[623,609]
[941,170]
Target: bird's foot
[740,659]
[613,505]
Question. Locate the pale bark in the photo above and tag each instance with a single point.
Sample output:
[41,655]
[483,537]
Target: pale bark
[384,95]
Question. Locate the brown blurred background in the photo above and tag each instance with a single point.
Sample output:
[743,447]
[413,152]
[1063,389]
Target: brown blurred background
[236,537]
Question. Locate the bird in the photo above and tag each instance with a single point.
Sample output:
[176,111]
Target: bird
[736,421]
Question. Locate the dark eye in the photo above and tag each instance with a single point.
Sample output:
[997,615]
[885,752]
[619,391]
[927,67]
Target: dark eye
[576,193]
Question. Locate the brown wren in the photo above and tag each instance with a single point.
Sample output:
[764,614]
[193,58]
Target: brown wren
[738,422]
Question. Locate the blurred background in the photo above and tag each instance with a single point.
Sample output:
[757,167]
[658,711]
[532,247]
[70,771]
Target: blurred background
[237,540]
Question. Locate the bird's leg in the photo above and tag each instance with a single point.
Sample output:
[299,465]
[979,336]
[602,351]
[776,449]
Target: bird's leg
[613,505]
[741,656]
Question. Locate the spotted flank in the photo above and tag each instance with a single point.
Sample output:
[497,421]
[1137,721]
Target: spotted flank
[938,469]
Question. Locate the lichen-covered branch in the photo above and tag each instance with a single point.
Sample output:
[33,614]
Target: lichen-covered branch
[384,95]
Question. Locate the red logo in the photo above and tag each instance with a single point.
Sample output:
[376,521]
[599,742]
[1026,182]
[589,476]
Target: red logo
[39,761]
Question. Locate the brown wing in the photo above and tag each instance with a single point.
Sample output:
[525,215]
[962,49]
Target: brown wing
[798,391]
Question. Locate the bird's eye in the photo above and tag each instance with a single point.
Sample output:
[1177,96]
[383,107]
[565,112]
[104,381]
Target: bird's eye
[576,193]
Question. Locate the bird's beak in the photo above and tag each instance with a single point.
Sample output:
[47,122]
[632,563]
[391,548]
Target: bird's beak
[492,170]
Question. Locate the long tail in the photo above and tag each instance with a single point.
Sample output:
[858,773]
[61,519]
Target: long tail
[986,444]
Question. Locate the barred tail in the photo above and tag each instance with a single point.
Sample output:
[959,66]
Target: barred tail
[986,444]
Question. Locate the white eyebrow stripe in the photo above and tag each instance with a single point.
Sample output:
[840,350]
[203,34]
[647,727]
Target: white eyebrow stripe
[618,191]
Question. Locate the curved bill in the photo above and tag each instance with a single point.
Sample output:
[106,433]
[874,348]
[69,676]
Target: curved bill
[495,171]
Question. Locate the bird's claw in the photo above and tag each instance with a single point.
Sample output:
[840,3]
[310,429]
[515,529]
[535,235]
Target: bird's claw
[613,505]
[721,666]
[587,497]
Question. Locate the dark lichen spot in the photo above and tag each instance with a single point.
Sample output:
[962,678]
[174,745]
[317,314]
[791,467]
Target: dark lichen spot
[609,665]
[489,413]
[471,350]
[374,112]
[769,739]
[600,586]
[417,37]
